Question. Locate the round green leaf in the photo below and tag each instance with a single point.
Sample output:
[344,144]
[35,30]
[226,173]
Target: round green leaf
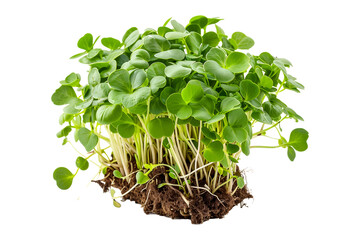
[141,178]
[177,71]
[249,90]
[86,42]
[237,62]
[245,147]
[63,95]
[200,20]
[82,163]
[240,182]
[203,110]
[64,132]
[242,41]
[177,26]
[101,91]
[120,80]
[156,43]
[193,92]
[221,74]
[176,105]
[87,138]
[94,77]
[161,127]
[263,117]
[156,69]
[211,38]
[298,138]
[218,55]
[138,96]
[175,54]
[107,114]
[137,78]
[63,178]
[156,83]
[125,126]
[232,148]
[228,104]
[237,118]
[266,82]
[214,152]
[72,80]
[234,134]
[111,43]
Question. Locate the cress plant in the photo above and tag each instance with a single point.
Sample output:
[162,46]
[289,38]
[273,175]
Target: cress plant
[180,97]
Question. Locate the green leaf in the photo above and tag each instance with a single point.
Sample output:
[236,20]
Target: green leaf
[72,80]
[156,83]
[177,26]
[82,163]
[232,148]
[64,132]
[249,90]
[245,147]
[175,54]
[87,138]
[63,95]
[200,20]
[63,178]
[94,77]
[156,69]
[107,114]
[156,43]
[120,80]
[216,118]
[209,134]
[78,55]
[221,74]
[132,37]
[235,134]
[291,153]
[132,99]
[267,57]
[86,42]
[110,69]
[193,92]
[237,118]
[125,126]
[228,104]
[237,62]
[137,78]
[141,178]
[298,138]
[175,35]
[193,41]
[65,118]
[177,106]
[211,38]
[161,127]
[240,182]
[218,55]
[177,71]
[214,152]
[242,41]
[117,174]
[101,91]
[111,43]
[266,82]
[203,110]
[263,117]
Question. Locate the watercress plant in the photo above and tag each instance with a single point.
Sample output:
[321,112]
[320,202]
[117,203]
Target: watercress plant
[183,97]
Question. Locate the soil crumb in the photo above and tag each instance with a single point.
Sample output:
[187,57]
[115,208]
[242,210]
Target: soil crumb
[169,201]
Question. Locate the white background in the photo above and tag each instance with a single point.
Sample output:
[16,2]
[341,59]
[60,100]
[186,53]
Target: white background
[315,197]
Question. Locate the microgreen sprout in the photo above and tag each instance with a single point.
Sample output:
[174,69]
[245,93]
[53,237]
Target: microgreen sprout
[188,98]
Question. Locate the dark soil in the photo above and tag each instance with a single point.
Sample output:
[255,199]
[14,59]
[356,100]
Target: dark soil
[168,201]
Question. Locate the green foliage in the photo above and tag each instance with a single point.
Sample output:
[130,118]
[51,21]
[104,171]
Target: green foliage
[63,178]
[174,94]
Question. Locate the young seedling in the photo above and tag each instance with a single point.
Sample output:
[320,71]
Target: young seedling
[186,98]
